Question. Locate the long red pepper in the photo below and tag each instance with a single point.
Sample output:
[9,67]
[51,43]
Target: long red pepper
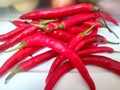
[60,47]
[16,57]
[97,39]
[109,18]
[72,44]
[94,39]
[76,19]
[19,23]
[18,37]
[32,62]
[12,33]
[59,12]
[60,34]
[96,50]
[97,60]
[66,67]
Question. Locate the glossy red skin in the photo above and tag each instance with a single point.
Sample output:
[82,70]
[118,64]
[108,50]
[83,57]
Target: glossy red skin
[93,50]
[101,61]
[29,30]
[60,58]
[8,35]
[90,23]
[97,39]
[109,18]
[77,29]
[58,12]
[17,57]
[19,23]
[78,19]
[61,34]
[34,61]
[61,48]
[58,61]
[57,75]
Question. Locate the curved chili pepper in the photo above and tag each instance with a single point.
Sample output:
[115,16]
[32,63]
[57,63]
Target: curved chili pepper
[32,62]
[16,57]
[97,60]
[60,47]
[72,44]
[12,33]
[59,12]
[18,37]
[97,39]
[96,50]
[77,19]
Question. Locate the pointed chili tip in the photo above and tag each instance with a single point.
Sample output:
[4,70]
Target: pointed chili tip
[15,71]
[107,25]
[16,48]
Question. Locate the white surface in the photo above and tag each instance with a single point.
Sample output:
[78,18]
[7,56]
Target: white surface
[35,78]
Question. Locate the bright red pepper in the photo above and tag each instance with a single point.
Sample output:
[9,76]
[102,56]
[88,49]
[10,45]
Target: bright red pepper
[60,47]
[12,33]
[29,30]
[59,12]
[16,57]
[32,62]
[97,60]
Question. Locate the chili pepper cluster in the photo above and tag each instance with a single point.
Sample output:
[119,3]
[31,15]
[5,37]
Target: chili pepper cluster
[70,32]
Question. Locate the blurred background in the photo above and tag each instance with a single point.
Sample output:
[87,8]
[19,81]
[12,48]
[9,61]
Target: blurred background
[11,9]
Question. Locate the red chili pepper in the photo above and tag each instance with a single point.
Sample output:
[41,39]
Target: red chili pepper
[76,19]
[97,60]
[18,37]
[97,39]
[60,47]
[109,18]
[59,12]
[15,58]
[12,33]
[96,50]
[72,44]
[19,23]
[57,74]
[32,62]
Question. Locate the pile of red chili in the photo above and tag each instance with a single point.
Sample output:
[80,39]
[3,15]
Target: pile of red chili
[70,33]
